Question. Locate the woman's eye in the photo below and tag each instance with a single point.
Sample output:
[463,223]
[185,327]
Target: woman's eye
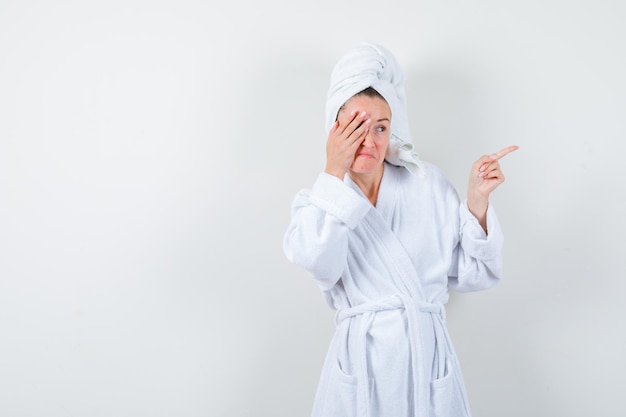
[381,128]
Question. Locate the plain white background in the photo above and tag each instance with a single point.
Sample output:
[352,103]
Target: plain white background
[149,152]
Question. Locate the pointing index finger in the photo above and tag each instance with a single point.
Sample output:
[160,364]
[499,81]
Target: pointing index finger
[503,152]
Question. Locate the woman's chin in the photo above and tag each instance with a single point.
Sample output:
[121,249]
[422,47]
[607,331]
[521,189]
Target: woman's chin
[365,166]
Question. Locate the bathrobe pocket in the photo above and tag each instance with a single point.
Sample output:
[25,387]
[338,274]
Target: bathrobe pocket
[441,394]
[341,394]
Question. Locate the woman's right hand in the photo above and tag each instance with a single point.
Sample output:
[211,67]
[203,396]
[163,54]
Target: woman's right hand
[344,140]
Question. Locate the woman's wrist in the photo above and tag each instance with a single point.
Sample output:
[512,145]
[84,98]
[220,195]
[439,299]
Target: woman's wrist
[339,173]
[478,206]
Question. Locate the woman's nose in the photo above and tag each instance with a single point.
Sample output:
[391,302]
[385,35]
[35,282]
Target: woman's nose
[368,142]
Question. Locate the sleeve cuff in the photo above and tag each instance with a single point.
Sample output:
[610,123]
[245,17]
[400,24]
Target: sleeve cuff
[332,195]
[474,240]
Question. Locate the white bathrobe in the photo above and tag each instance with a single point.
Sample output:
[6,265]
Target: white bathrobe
[387,270]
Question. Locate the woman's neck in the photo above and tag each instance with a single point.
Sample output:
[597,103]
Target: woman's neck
[369,183]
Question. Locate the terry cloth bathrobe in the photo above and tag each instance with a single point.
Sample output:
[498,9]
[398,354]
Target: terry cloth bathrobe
[386,270]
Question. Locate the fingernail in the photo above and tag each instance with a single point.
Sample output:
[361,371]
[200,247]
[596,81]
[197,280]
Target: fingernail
[368,121]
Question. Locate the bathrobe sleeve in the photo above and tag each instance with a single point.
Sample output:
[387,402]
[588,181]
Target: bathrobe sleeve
[478,256]
[317,236]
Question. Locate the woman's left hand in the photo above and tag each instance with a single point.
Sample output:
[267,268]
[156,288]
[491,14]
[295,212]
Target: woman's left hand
[485,176]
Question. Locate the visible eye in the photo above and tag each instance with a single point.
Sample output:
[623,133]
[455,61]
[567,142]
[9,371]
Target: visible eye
[381,129]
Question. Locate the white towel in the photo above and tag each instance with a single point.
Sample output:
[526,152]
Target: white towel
[371,65]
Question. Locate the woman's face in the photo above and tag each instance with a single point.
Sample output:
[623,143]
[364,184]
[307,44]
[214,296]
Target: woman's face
[370,155]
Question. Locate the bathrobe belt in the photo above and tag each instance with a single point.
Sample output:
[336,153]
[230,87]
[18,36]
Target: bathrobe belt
[421,373]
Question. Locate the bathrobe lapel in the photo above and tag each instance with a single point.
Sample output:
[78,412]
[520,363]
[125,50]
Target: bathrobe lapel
[410,291]
[379,226]
[406,279]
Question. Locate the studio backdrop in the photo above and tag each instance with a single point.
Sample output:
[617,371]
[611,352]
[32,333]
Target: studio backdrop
[150,150]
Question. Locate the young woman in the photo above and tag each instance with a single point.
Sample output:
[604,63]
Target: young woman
[385,236]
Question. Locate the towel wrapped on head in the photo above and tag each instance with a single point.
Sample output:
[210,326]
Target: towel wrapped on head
[371,65]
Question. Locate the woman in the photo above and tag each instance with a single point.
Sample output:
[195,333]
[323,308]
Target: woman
[385,235]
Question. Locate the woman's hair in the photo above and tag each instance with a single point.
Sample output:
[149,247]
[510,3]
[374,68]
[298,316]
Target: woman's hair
[369,92]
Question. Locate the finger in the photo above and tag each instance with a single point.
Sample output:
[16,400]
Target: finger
[495,175]
[359,133]
[358,141]
[491,170]
[488,166]
[344,124]
[482,162]
[353,119]
[503,152]
[348,142]
[486,172]
[358,119]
